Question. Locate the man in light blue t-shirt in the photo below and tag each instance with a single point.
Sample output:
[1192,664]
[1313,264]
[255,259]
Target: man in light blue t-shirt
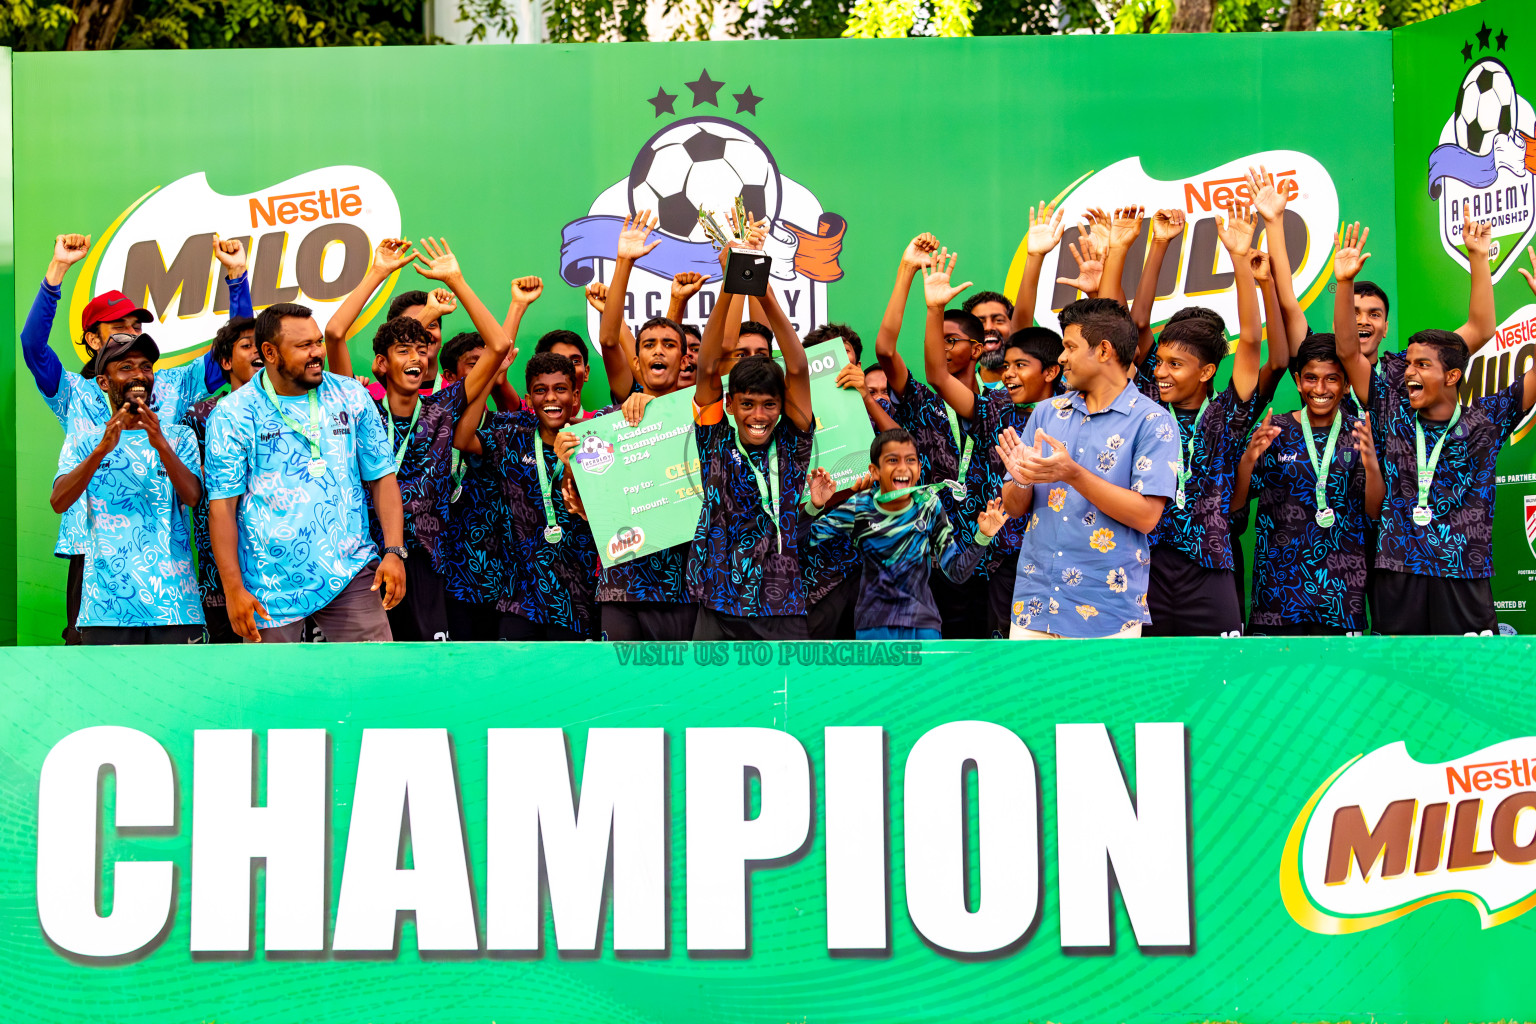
[138,479]
[287,460]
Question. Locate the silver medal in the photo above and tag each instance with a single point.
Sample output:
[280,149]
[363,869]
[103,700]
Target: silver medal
[458,489]
[316,468]
[1422,514]
[553,534]
[1324,517]
[1178,497]
[956,488]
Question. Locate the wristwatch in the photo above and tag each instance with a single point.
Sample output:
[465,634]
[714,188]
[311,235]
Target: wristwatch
[400,552]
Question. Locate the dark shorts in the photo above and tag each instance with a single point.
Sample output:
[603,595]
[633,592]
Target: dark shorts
[124,636]
[356,615]
[1186,599]
[1000,595]
[1407,604]
[659,621]
[219,629]
[831,618]
[964,608]
[72,584]
[423,615]
[713,625]
[472,620]
[515,627]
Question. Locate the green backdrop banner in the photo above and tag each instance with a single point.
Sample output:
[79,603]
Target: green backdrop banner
[524,158]
[1263,831]
[1464,82]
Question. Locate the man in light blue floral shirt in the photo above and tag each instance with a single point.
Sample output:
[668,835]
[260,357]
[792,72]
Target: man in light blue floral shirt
[1092,473]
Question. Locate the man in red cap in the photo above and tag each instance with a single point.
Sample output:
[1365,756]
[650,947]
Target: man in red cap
[76,399]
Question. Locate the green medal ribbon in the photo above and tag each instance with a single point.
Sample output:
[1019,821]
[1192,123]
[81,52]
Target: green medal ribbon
[1422,513]
[1320,466]
[456,470]
[885,497]
[964,443]
[552,531]
[1186,449]
[409,432]
[312,435]
[767,491]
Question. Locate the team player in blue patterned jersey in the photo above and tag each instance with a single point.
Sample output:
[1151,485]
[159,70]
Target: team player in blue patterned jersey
[1192,589]
[137,480]
[899,530]
[1434,556]
[287,460]
[1092,478]
[754,450]
[1318,483]
[235,349]
[420,432]
[547,543]
[75,399]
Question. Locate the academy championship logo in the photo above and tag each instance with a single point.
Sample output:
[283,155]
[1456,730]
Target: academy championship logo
[594,455]
[706,161]
[1197,269]
[1484,159]
[309,239]
[1386,835]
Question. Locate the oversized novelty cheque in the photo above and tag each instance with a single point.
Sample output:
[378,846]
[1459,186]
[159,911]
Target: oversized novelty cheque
[643,486]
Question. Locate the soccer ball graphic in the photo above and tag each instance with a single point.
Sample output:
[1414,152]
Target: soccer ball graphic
[591,443]
[1485,106]
[708,162]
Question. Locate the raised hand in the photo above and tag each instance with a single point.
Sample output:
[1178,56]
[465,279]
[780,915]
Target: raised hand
[1090,265]
[142,417]
[1048,462]
[1167,225]
[1349,255]
[919,252]
[1269,201]
[1258,262]
[634,408]
[637,228]
[1236,230]
[1045,229]
[440,302]
[71,249]
[992,518]
[597,295]
[1477,236]
[1365,442]
[851,377]
[937,290]
[1125,226]
[821,486]
[1530,251]
[437,261]
[571,496]
[392,254]
[114,429]
[1096,223]
[566,444]
[686,285]
[1262,438]
[231,253]
[526,290]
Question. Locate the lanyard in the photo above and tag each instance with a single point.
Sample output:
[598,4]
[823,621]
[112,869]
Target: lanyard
[552,531]
[1186,449]
[1320,466]
[312,435]
[1422,513]
[456,470]
[884,497]
[409,432]
[964,447]
[767,490]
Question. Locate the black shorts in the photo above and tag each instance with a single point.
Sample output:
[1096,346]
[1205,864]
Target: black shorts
[472,620]
[122,636]
[1000,596]
[831,618]
[219,630]
[1300,629]
[965,609]
[423,614]
[658,621]
[515,627]
[1407,604]
[72,584]
[713,625]
[1186,599]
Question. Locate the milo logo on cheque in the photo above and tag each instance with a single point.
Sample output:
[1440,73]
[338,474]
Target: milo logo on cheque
[625,542]
[309,239]
[1387,834]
